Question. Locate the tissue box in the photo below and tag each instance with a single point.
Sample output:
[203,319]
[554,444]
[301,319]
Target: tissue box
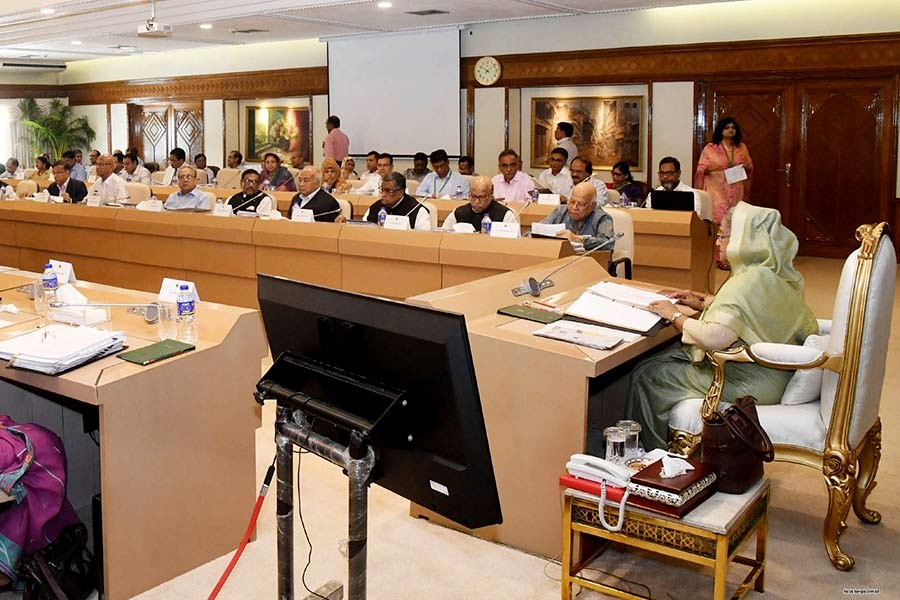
[675,496]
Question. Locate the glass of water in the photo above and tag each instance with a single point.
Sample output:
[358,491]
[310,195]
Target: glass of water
[632,439]
[615,444]
[168,329]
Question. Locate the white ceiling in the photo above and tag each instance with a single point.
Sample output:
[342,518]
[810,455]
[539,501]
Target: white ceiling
[103,26]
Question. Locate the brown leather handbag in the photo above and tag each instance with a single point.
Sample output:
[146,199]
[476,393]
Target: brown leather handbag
[737,445]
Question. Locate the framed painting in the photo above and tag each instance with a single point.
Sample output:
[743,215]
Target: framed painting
[607,130]
[281,130]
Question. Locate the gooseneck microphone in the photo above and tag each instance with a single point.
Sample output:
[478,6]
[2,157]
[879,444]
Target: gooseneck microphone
[534,287]
[248,201]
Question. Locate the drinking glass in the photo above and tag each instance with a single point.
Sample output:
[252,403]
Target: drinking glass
[632,439]
[615,444]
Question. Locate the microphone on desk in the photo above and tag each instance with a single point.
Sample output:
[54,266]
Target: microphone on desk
[422,204]
[251,199]
[150,311]
[534,287]
[523,209]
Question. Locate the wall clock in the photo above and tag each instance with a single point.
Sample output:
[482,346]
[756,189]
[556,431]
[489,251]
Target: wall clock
[487,70]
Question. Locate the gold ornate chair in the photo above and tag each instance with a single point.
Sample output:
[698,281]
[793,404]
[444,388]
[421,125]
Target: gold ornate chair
[836,428]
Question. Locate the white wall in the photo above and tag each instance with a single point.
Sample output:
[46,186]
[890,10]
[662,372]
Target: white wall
[118,125]
[17,78]
[693,24]
[96,116]
[214,132]
[319,114]
[489,129]
[205,61]
[673,126]
[232,127]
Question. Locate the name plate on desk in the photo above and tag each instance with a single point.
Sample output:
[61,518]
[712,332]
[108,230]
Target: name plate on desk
[500,229]
[168,291]
[400,222]
[93,200]
[549,199]
[65,272]
[151,205]
[303,215]
[222,210]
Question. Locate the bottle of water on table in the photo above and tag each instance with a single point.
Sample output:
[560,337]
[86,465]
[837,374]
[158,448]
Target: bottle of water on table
[486,224]
[187,327]
[458,195]
[382,217]
[47,293]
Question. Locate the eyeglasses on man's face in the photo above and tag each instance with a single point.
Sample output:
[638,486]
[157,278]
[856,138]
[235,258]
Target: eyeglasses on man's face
[579,205]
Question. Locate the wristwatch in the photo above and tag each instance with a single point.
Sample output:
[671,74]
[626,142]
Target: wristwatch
[676,316]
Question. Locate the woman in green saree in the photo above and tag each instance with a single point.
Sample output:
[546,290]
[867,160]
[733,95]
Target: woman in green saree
[762,301]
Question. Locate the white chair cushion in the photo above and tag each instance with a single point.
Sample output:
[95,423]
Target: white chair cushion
[785,354]
[798,425]
[806,384]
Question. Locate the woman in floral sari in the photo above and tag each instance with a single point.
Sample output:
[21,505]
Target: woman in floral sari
[274,176]
[33,473]
[724,152]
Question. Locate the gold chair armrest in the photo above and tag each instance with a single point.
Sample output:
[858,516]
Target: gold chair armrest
[718,359]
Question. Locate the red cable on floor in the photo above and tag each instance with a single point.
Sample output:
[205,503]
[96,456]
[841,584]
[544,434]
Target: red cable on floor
[240,550]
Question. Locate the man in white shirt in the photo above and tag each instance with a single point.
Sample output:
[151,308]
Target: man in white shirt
[481,204]
[442,181]
[372,186]
[188,196]
[108,187]
[235,160]
[670,180]
[557,178]
[371,166]
[134,172]
[563,134]
[582,170]
[511,185]
[13,170]
[176,160]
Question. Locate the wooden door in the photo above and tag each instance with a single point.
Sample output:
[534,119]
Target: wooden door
[157,128]
[844,165]
[762,111]
[820,149]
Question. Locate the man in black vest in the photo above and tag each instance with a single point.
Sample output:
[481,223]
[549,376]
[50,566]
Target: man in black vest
[250,198]
[395,201]
[312,197]
[481,203]
[70,190]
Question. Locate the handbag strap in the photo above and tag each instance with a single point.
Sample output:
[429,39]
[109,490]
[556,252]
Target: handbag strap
[765,451]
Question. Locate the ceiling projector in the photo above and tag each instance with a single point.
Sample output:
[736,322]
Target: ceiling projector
[154,29]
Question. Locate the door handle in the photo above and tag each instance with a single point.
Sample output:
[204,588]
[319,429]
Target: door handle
[787,173]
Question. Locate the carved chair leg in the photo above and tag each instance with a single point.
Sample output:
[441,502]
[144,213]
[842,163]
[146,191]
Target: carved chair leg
[840,481]
[869,457]
[683,442]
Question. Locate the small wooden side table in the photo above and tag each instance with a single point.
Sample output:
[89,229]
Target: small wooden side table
[709,535]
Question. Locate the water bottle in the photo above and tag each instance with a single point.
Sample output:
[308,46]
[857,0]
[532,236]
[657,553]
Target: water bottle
[533,194]
[458,195]
[187,328]
[486,225]
[266,185]
[382,217]
[47,293]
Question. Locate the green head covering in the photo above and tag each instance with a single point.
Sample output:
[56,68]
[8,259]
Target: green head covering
[763,299]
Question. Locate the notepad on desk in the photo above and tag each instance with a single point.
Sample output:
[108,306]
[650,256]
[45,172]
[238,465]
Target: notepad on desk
[550,230]
[618,306]
[628,295]
[592,336]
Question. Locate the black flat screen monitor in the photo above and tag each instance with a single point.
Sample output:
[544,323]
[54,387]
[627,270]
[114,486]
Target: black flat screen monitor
[434,451]
[663,200]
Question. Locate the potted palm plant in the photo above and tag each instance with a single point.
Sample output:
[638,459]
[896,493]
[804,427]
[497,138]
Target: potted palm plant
[55,128]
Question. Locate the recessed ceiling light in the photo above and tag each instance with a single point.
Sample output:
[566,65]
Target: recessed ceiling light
[205,25]
[75,42]
[47,11]
[384,5]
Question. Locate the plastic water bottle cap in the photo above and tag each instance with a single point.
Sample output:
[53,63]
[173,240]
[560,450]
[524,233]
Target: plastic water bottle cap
[48,266]
[184,286]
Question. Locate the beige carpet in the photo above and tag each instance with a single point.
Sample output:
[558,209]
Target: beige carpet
[411,559]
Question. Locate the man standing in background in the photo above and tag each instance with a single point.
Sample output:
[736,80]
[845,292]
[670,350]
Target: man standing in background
[337,144]
[563,134]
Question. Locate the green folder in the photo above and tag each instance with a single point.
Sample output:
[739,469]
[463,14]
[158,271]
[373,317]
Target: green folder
[531,312]
[156,352]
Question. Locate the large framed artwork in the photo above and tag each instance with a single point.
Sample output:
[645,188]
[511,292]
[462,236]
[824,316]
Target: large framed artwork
[607,130]
[281,130]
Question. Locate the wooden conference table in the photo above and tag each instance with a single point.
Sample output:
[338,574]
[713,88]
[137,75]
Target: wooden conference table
[534,395]
[136,249]
[177,467]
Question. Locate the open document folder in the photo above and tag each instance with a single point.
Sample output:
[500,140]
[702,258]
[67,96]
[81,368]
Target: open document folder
[57,348]
[617,305]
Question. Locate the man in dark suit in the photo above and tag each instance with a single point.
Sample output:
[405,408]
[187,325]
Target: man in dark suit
[70,190]
[312,197]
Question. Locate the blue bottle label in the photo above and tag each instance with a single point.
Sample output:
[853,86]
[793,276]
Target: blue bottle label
[185,307]
[50,282]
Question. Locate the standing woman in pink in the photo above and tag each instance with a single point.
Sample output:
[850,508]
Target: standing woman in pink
[725,168]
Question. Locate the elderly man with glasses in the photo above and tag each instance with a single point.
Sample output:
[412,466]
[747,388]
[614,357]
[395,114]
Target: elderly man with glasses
[395,201]
[586,222]
[188,196]
[481,204]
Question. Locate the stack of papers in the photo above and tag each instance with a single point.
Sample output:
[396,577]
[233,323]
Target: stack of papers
[57,348]
[617,305]
[592,336]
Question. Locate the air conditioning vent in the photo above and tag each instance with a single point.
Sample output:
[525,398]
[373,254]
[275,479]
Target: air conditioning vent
[427,12]
[249,31]
[8,64]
